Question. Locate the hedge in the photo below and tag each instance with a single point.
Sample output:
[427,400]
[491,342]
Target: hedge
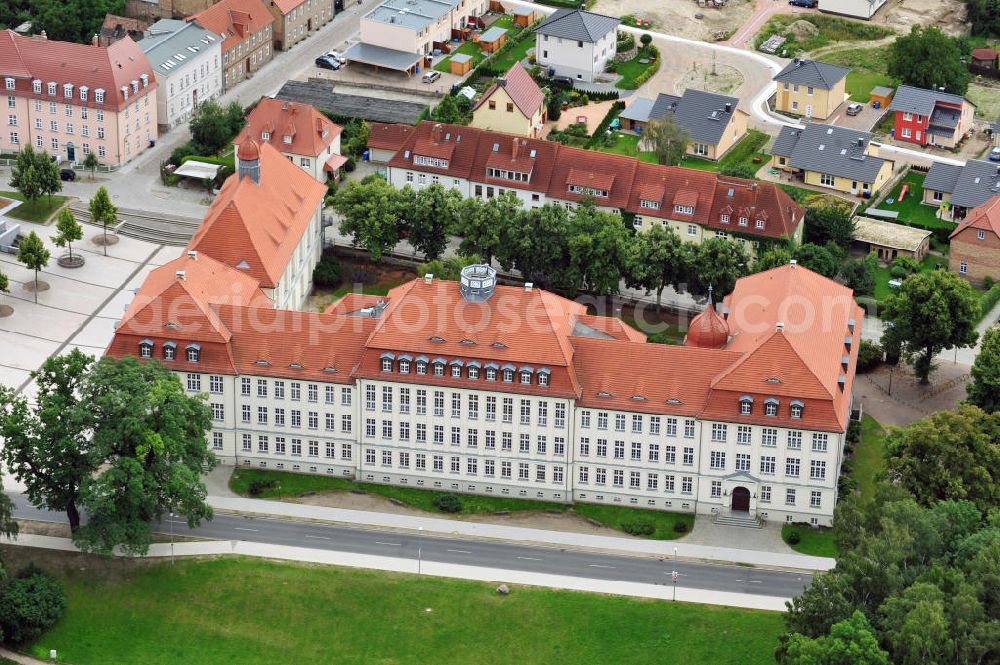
[598,134]
[652,69]
[989,300]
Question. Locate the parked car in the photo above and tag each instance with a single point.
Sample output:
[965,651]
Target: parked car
[854,108]
[338,56]
[326,62]
[995,154]
[562,81]
[67,174]
[811,4]
[431,76]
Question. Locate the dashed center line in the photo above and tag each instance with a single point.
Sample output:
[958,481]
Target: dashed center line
[459,551]
[240,528]
[597,565]
[318,537]
[379,542]
[528,558]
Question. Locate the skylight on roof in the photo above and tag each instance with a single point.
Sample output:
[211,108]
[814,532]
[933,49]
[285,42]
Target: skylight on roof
[532,153]
[822,146]
[603,393]
[496,147]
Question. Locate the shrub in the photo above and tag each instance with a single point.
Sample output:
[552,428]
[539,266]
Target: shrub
[680,527]
[869,355]
[639,528]
[30,605]
[794,538]
[906,263]
[853,431]
[898,272]
[988,283]
[846,485]
[327,271]
[448,503]
[350,165]
[258,487]
[646,39]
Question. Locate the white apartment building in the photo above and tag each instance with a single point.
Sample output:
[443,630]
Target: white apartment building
[186,61]
[576,43]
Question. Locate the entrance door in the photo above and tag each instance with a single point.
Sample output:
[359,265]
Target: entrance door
[70,152]
[809,110]
[741,500]
[930,139]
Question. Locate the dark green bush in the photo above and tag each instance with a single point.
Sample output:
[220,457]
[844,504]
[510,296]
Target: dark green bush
[869,356]
[350,165]
[327,271]
[258,487]
[898,272]
[448,503]
[639,528]
[853,431]
[988,283]
[794,538]
[680,527]
[30,605]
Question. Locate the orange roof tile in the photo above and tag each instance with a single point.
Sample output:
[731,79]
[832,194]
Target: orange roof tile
[234,20]
[96,67]
[286,6]
[310,131]
[985,217]
[383,136]
[258,225]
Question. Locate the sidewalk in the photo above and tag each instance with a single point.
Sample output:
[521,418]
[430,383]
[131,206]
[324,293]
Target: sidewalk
[432,569]
[480,531]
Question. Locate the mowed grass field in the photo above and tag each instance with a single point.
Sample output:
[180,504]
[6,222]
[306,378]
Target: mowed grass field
[249,611]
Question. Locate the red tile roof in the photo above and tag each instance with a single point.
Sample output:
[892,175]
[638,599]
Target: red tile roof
[259,224]
[96,67]
[286,6]
[234,20]
[985,217]
[384,136]
[984,54]
[521,88]
[470,151]
[310,131]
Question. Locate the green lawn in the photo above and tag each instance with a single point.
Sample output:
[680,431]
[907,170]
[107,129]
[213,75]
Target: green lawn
[472,48]
[911,209]
[248,611]
[631,69]
[468,48]
[868,69]
[860,83]
[869,456]
[39,211]
[882,275]
[517,53]
[740,155]
[830,29]
[814,542]
[628,144]
[294,484]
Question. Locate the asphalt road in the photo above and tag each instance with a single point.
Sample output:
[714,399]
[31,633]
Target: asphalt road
[531,558]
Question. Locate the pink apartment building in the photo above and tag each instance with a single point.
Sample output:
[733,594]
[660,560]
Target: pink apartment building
[71,99]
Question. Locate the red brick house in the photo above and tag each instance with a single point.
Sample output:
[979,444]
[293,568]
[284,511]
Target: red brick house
[975,244]
[931,117]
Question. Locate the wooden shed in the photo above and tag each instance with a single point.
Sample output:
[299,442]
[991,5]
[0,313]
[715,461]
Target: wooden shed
[524,16]
[461,64]
[491,40]
[880,95]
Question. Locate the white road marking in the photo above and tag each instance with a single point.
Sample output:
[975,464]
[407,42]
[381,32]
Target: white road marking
[318,537]
[176,521]
[528,558]
[597,565]
[379,542]
[459,551]
[240,528]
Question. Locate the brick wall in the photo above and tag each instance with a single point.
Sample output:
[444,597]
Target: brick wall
[981,256]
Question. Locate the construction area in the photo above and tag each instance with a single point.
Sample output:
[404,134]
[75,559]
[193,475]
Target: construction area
[680,17]
[903,14]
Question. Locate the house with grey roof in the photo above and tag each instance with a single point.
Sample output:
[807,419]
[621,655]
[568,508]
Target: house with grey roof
[187,62]
[963,187]
[862,9]
[931,117]
[575,43]
[833,157]
[713,121]
[811,88]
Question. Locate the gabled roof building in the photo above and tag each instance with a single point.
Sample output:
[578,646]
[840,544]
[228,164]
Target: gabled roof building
[830,156]
[246,30]
[514,104]
[961,188]
[187,62]
[931,117]
[299,132]
[811,88]
[576,43]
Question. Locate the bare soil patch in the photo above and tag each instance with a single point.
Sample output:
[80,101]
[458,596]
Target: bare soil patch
[724,81]
[36,287]
[676,17]
[902,15]
[5,311]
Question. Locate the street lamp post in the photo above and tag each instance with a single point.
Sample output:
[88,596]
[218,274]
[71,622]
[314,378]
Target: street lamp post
[171,538]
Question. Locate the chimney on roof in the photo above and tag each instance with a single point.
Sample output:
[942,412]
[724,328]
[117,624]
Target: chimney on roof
[502,81]
[941,88]
[729,107]
[193,254]
[798,62]
[428,278]
[515,149]
[861,142]
[180,275]
[436,132]
[779,326]
[93,40]
[284,106]
[528,286]
[43,35]
[793,263]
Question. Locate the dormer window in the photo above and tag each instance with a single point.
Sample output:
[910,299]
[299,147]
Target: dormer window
[420,160]
[51,88]
[525,378]
[193,353]
[724,219]
[83,93]
[287,138]
[491,374]
[797,409]
[265,136]
[169,351]
[760,223]
[771,407]
[587,191]
[744,221]
[543,378]
[684,210]
[146,348]
[68,90]
[145,80]
[36,87]
[746,405]
[651,205]
[473,373]
[456,371]
[421,367]
[9,83]
[135,87]
[99,95]
[386,364]
[438,369]
[508,376]
[404,366]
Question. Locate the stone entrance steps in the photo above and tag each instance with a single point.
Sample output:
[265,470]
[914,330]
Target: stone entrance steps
[738,519]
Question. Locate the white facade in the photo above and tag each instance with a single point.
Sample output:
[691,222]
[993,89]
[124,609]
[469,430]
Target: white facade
[188,70]
[579,60]
[520,445]
[863,9]
[295,284]
[311,164]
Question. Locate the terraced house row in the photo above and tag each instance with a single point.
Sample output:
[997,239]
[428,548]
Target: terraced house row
[695,204]
[476,387]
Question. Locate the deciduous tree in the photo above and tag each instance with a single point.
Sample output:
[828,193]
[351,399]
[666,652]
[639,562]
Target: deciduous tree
[772,258]
[716,262]
[818,259]
[984,389]
[859,274]
[69,231]
[90,163]
[432,219]
[483,226]
[32,253]
[103,212]
[47,444]
[654,261]
[49,181]
[850,642]
[830,223]
[24,175]
[928,58]
[537,244]
[669,140]
[369,213]
[597,244]
[930,312]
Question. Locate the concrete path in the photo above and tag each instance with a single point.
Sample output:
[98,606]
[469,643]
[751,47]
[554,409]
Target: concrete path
[765,539]
[434,569]
[480,531]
